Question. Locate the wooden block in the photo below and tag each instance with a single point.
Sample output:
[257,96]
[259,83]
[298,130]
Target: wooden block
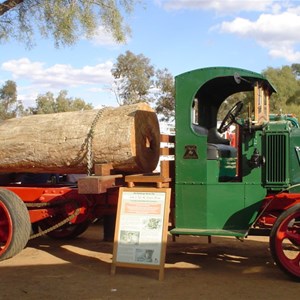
[165,138]
[146,178]
[153,179]
[167,168]
[96,184]
[103,169]
[167,151]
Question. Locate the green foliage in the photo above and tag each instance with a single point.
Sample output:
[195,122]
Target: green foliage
[47,104]
[295,98]
[10,107]
[296,69]
[287,98]
[133,78]
[288,89]
[66,21]
[136,80]
[246,97]
[165,103]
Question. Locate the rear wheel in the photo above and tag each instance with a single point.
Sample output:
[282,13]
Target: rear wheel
[285,242]
[15,224]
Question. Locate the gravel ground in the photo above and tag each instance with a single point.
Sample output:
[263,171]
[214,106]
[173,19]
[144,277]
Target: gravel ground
[195,269]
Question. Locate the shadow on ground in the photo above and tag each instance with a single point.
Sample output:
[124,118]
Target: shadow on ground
[195,269]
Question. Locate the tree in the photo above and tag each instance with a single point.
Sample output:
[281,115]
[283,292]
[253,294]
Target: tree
[296,69]
[133,78]
[10,107]
[295,98]
[136,80]
[285,81]
[47,104]
[165,103]
[66,21]
[287,98]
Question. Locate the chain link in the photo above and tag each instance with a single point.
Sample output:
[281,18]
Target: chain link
[87,145]
[61,223]
[90,157]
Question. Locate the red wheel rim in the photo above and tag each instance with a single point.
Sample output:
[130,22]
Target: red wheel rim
[5,228]
[288,243]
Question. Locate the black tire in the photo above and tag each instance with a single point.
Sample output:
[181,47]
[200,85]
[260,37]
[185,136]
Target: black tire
[285,241]
[15,226]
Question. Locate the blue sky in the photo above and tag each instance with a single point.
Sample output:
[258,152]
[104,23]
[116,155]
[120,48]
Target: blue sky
[179,35]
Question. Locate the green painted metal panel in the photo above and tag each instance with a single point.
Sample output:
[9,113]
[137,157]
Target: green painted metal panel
[191,211]
[205,204]
[216,83]
[294,159]
[191,169]
[224,200]
[276,140]
[218,207]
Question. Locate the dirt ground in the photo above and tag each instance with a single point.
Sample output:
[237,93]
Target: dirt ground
[80,269]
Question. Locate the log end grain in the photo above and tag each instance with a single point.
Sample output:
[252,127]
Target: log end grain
[135,139]
[147,140]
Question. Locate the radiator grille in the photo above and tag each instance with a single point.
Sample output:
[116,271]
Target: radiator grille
[276,159]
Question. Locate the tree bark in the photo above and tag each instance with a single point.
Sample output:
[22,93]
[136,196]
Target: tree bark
[128,137]
[8,5]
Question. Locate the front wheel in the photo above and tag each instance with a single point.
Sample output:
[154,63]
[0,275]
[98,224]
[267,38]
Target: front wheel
[285,242]
[15,224]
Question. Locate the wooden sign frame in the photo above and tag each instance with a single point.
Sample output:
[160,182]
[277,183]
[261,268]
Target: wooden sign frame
[141,228]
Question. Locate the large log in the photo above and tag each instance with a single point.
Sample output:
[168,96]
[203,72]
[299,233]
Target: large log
[128,137]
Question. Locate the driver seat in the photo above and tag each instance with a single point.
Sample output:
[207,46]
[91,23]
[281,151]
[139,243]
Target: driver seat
[218,147]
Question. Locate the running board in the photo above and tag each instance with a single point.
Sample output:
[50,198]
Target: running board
[208,232]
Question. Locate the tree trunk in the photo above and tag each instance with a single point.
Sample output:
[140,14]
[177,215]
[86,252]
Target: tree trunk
[128,137]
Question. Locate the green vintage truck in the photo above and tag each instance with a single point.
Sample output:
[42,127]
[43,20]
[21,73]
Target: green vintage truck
[251,188]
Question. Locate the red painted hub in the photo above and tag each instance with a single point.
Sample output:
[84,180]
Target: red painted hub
[5,228]
[287,243]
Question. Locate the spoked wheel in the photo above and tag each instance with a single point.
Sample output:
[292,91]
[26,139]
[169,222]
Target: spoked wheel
[15,224]
[285,242]
[67,231]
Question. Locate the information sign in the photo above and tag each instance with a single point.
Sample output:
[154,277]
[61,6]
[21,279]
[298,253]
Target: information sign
[141,228]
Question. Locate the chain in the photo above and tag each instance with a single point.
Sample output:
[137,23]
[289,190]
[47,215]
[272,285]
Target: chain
[87,144]
[90,137]
[49,204]
[61,223]
[90,157]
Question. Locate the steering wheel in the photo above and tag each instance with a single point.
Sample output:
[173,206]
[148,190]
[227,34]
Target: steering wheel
[230,118]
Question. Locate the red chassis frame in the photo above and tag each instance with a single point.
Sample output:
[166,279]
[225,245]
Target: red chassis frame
[47,201]
[273,205]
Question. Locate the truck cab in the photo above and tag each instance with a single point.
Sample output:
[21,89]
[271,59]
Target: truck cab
[219,189]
